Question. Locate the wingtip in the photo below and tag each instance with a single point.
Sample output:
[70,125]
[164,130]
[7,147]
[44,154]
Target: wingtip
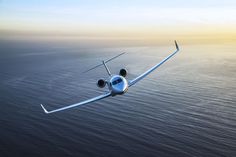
[176,45]
[44,109]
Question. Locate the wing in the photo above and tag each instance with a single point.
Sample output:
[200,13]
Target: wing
[140,77]
[78,104]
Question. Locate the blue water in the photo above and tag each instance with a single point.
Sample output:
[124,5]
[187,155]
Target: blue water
[185,108]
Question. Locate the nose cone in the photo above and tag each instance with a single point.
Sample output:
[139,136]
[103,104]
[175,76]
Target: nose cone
[121,87]
[119,84]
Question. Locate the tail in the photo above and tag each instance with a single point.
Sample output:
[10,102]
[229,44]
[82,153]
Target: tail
[104,63]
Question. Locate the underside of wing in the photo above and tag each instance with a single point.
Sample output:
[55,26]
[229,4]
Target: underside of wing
[140,77]
[78,104]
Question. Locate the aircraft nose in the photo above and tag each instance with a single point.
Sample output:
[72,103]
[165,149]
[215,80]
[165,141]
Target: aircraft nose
[121,88]
[124,88]
[119,85]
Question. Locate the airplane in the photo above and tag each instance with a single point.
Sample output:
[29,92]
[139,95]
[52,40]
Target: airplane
[117,84]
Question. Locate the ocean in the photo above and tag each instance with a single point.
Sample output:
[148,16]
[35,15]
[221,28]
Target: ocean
[187,107]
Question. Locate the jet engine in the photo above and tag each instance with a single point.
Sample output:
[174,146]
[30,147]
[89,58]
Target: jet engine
[101,83]
[123,72]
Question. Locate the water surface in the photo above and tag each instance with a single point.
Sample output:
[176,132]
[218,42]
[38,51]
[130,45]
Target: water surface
[185,108]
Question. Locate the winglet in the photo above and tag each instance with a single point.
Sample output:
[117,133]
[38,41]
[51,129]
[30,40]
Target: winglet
[176,45]
[44,109]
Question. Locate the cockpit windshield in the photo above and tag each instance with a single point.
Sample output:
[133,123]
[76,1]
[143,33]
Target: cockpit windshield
[119,80]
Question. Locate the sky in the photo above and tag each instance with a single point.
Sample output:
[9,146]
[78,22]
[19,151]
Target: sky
[129,19]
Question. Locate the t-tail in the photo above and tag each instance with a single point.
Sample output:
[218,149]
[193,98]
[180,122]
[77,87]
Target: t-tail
[104,63]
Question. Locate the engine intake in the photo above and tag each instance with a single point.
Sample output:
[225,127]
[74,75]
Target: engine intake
[101,83]
[123,72]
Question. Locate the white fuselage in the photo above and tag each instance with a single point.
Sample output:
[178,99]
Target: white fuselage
[117,84]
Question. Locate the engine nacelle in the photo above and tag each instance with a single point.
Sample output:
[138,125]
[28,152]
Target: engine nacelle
[123,72]
[101,83]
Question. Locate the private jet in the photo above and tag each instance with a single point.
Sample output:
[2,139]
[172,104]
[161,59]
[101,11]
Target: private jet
[116,83]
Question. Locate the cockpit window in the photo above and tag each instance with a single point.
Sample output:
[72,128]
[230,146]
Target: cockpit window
[119,80]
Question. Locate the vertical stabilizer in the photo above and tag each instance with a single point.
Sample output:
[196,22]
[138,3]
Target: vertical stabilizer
[108,71]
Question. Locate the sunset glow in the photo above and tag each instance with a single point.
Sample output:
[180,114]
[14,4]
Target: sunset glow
[146,20]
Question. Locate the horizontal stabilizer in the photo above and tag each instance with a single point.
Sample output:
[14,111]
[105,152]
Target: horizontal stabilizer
[104,62]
